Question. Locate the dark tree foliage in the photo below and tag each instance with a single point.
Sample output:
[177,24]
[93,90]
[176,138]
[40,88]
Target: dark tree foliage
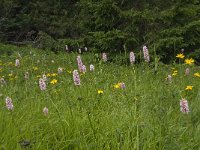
[104,25]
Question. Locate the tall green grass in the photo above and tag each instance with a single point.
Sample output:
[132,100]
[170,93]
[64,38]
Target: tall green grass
[145,115]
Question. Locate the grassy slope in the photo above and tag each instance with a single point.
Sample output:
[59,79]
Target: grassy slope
[145,115]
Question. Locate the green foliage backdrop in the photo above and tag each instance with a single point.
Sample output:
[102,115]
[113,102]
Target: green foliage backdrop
[105,25]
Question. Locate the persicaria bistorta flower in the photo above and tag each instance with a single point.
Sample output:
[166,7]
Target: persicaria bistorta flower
[9,103]
[26,75]
[45,111]
[91,67]
[60,70]
[104,57]
[84,69]
[42,84]
[146,54]
[66,48]
[132,58]
[184,106]
[187,71]
[76,78]
[44,77]
[17,63]
[122,85]
[79,51]
[169,78]
[2,81]
[80,63]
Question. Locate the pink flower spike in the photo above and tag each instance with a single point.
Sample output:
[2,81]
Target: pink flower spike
[146,54]
[17,63]
[76,78]
[91,67]
[184,106]
[79,62]
[9,103]
[187,71]
[45,111]
[104,57]
[132,58]
[42,84]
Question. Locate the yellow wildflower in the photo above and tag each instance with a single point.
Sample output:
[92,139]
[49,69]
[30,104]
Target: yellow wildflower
[54,81]
[197,74]
[69,71]
[54,74]
[117,86]
[175,72]
[181,56]
[100,91]
[189,88]
[189,61]
[35,68]
[10,75]
[38,76]
[48,75]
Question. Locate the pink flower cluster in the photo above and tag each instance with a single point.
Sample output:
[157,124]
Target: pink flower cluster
[132,58]
[184,106]
[104,57]
[42,84]
[45,111]
[91,67]
[9,103]
[80,63]
[76,78]
[146,54]
[17,63]
[60,70]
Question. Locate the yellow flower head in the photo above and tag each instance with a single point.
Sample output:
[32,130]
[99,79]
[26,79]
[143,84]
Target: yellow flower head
[48,74]
[117,86]
[197,74]
[100,91]
[54,81]
[10,75]
[189,88]
[35,68]
[175,72]
[54,74]
[181,56]
[189,61]
[69,71]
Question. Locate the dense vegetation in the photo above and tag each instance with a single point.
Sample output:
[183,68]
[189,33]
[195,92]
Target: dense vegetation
[106,25]
[99,113]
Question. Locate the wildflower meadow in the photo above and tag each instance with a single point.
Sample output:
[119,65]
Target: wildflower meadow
[76,101]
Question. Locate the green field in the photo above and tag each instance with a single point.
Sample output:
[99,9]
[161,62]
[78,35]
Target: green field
[145,115]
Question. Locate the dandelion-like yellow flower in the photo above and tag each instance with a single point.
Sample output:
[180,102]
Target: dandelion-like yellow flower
[69,71]
[48,75]
[189,88]
[181,56]
[175,72]
[117,86]
[54,81]
[54,74]
[197,74]
[35,68]
[100,91]
[189,61]
[10,75]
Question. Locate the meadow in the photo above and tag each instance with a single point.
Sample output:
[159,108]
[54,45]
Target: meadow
[100,113]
